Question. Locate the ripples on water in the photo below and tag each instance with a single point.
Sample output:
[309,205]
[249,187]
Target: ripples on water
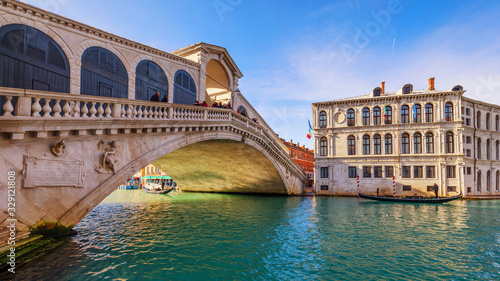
[188,236]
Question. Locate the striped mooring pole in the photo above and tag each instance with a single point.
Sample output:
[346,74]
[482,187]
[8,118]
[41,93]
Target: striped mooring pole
[393,186]
[358,185]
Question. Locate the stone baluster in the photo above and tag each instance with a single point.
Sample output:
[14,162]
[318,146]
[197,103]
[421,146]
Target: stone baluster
[7,107]
[124,112]
[36,107]
[46,108]
[92,109]
[134,111]
[85,110]
[108,110]
[139,112]
[161,112]
[129,111]
[66,109]
[150,111]
[57,109]
[100,110]
[76,109]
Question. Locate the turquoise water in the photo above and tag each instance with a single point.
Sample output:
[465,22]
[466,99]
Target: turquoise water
[191,236]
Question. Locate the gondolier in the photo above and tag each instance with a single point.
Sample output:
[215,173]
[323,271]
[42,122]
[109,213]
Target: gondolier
[436,189]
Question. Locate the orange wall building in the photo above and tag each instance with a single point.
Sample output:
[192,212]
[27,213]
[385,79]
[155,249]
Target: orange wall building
[303,156]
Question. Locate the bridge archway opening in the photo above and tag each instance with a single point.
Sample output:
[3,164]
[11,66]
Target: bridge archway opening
[218,85]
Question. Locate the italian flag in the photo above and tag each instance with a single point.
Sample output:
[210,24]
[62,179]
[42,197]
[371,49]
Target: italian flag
[309,134]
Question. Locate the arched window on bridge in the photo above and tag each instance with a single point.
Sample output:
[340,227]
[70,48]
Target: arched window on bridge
[242,110]
[149,79]
[103,74]
[29,59]
[184,88]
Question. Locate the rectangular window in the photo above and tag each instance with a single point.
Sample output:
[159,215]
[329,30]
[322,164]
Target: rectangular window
[418,172]
[406,172]
[469,189]
[468,139]
[467,121]
[452,189]
[467,111]
[406,187]
[377,171]
[468,152]
[430,172]
[324,172]
[450,172]
[352,172]
[469,171]
[324,187]
[389,171]
[367,172]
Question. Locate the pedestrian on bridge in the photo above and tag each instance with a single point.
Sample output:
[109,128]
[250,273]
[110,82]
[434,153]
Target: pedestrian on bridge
[155,97]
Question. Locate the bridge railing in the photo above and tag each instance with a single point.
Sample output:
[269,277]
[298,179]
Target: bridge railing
[28,103]
[20,103]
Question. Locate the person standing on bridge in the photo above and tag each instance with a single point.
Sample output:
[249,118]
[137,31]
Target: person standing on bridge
[164,99]
[155,97]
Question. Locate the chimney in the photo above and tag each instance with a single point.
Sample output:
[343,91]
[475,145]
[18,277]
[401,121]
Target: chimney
[431,84]
[383,87]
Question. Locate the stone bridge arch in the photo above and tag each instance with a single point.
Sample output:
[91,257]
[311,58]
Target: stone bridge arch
[268,175]
[56,188]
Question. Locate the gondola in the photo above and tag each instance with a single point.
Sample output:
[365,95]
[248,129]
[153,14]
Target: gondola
[156,188]
[410,200]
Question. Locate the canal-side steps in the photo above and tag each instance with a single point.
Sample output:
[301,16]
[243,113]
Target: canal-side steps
[27,247]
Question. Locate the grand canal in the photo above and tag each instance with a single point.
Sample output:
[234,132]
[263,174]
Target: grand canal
[192,236]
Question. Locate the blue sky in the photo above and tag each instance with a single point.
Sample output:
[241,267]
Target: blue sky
[294,53]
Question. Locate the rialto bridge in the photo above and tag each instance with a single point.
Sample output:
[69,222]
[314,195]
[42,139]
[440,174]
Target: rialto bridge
[76,120]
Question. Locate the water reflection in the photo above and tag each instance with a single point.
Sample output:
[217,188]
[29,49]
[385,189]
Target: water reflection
[188,236]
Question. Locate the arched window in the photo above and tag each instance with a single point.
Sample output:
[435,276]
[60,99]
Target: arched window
[429,143]
[377,143]
[322,119]
[417,143]
[388,115]
[366,116]
[388,144]
[242,110]
[405,143]
[478,123]
[29,59]
[417,114]
[103,74]
[351,121]
[376,116]
[488,149]
[488,181]
[351,145]
[478,181]
[497,123]
[497,182]
[366,145]
[184,88]
[149,79]
[488,120]
[457,88]
[497,145]
[429,113]
[405,117]
[449,143]
[323,147]
[448,111]
[479,142]
[407,89]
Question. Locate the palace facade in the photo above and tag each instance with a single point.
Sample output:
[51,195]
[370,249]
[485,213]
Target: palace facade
[411,138]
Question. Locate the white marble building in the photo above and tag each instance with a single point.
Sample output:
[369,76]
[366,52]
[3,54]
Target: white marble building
[411,138]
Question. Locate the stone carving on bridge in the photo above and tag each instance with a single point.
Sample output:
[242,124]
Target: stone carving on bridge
[58,148]
[109,161]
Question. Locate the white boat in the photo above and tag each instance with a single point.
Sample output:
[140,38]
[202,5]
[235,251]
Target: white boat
[156,188]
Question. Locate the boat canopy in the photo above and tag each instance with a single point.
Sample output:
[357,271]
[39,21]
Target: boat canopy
[157,177]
